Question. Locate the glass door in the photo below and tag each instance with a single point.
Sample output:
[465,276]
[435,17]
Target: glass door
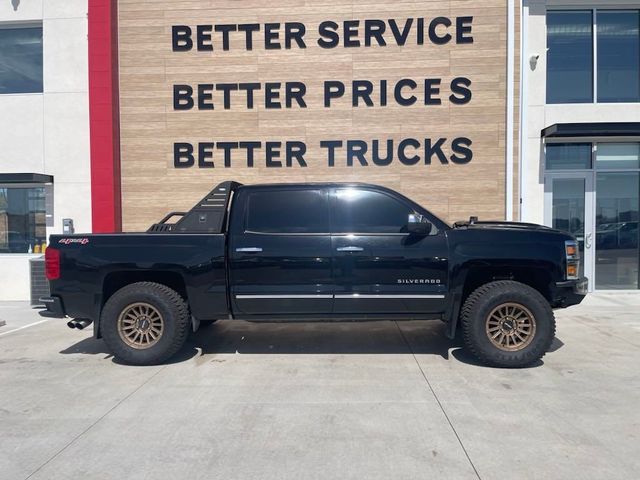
[617,246]
[569,206]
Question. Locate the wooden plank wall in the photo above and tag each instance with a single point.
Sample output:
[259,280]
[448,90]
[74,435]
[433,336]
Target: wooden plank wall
[151,186]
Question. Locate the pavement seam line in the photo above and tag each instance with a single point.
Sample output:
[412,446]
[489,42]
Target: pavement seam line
[433,392]
[73,440]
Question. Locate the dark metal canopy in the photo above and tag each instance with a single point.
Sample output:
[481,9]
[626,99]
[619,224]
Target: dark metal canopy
[25,178]
[609,129]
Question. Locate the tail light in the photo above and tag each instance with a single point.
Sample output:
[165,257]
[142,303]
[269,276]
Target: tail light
[52,263]
[573,259]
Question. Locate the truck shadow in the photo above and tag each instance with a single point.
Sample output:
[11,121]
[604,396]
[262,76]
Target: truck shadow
[384,337]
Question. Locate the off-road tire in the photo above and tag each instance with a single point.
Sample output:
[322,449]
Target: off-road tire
[479,305]
[174,313]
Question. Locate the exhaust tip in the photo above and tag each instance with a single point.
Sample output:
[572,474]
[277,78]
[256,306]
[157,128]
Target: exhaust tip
[71,324]
[82,323]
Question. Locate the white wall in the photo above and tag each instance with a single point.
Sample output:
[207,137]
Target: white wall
[14,277]
[49,132]
[539,116]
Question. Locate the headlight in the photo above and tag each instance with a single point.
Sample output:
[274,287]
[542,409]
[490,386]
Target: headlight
[573,259]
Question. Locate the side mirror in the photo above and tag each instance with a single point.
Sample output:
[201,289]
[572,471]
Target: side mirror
[418,224]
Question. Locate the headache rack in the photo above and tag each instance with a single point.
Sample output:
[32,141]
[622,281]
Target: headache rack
[209,215]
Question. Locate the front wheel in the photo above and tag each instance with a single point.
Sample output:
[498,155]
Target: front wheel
[145,323]
[507,324]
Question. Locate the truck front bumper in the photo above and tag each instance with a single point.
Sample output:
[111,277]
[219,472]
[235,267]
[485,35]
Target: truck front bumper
[54,307]
[570,292]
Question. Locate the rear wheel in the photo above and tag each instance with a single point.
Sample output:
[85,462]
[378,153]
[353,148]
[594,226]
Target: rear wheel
[145,323]
[507,324]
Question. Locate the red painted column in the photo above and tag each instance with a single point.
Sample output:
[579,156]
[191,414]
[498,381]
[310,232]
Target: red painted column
[104,116]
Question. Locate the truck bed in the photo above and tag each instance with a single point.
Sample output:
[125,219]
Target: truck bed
[90,261]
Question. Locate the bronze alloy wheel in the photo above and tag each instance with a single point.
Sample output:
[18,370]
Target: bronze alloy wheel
[510,327]
[140,325]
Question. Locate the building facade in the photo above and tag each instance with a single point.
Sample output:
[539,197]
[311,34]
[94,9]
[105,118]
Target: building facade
[581,132]
[44,131]
[409,95]
[505,110]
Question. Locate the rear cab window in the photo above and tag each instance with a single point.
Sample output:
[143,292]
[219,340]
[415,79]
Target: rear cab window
[287,211]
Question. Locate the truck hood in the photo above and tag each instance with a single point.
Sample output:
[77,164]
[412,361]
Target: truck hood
[503,225]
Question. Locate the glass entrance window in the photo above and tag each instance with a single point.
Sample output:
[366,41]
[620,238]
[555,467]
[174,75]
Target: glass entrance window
[22,219]
[618,156]
[617,205]
[568,156]
[568,206]
[598,202]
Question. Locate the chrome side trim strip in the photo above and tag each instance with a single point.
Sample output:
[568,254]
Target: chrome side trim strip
[243,297]
[341,296]
[252,232]
[363,295]
[350,249]
[249,249]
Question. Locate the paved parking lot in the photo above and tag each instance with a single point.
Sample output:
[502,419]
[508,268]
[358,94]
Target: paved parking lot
[328,401]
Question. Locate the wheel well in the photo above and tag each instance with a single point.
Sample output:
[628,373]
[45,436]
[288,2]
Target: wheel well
[536,278]
[117,280]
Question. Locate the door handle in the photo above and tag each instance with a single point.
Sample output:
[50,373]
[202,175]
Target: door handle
[249,249]
[350,249]
[587,241]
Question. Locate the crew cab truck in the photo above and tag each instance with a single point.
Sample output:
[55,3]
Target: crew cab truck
[315,252]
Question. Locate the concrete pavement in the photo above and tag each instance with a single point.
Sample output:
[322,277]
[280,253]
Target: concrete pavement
[376,400]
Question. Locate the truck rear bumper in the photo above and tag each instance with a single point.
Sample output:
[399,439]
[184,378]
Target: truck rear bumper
[570,292]
[54,307]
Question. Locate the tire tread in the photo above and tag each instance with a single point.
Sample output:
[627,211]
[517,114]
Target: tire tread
[470,307]
[178,304]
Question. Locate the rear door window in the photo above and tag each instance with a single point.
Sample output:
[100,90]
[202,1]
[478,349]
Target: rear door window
[288,212]
[367,211]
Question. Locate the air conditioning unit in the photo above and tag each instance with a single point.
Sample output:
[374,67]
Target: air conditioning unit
[39,282]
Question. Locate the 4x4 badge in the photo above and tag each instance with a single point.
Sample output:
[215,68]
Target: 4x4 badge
[67,241]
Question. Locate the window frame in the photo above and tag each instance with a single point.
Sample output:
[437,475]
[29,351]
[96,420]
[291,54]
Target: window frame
[594,37]
[594,52]
[48,208]
[591,175]
[22,25]
[594,141]
[590,143]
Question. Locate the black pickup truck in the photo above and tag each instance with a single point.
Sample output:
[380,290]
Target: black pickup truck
[315,252]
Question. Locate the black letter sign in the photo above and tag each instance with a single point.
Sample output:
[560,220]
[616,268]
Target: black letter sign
[183,155]
[181,38]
